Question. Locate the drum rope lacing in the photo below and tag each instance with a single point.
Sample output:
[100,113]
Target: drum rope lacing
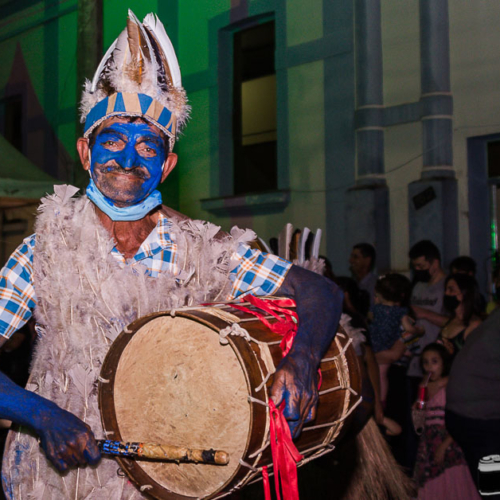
[236,330]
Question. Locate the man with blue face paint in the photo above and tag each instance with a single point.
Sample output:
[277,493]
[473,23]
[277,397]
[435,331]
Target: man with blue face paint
[99,261]
[127,164]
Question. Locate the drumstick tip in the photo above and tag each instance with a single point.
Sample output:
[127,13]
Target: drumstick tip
[219,457]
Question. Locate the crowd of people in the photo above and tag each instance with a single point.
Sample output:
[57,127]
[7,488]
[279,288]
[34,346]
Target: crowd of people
[417,330]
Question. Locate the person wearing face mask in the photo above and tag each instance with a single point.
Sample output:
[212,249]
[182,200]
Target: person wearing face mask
[100,261]
[461,300]
[427,296]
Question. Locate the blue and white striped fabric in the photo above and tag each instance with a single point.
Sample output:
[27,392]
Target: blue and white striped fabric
[129,104]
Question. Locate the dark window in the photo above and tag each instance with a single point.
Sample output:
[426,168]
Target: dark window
[494,180]
[254,118]
[12,121]
[494,159]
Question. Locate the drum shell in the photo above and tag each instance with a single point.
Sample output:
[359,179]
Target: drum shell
[317,437]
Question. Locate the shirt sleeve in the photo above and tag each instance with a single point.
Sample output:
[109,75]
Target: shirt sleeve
[17,295]
[257,272]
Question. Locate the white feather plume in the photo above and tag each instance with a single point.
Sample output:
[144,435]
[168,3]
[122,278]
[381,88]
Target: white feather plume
[101,66]
[78,327]
[152,22]
[155,72]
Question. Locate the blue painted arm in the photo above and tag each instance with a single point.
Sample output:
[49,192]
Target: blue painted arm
[319,306]
[65,439]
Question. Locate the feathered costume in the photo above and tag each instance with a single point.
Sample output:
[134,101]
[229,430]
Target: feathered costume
[80,314]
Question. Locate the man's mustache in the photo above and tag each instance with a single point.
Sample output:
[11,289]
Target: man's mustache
[140,172]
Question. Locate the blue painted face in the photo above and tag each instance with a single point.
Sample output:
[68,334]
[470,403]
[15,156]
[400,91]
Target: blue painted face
[126,162]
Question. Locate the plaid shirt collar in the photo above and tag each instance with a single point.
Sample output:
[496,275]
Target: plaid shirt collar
[158,239]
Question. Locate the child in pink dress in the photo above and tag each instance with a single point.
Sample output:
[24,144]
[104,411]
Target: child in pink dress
[441,471]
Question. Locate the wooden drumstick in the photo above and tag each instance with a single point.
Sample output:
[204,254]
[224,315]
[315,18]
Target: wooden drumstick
[162,452]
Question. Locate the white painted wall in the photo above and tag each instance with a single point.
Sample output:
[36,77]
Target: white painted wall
[475,84]
[400,51]
[403,164]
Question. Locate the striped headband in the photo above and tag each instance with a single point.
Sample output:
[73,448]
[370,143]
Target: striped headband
[128,104]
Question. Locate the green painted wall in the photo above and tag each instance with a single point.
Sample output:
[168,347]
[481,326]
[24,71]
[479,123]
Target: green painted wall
[300,96]
[38,54]
[304,21]
[305,39]
[194,46]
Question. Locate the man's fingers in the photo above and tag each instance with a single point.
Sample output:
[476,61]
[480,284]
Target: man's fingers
[60,465]
[277,391]
[292,406]
[76,451]
[92,454]
[309,404]
[311,415]
[294,428]
[309,410]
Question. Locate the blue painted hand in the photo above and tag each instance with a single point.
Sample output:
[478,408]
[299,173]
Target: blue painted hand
[295,383]
[66,440]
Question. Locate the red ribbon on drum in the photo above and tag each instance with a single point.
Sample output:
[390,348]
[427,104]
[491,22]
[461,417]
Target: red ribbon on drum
[284,452]
[285,458]
[285,326]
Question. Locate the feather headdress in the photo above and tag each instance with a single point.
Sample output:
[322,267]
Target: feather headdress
[138,76]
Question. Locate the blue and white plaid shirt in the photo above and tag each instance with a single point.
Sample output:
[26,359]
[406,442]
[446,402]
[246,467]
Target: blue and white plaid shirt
[260,273]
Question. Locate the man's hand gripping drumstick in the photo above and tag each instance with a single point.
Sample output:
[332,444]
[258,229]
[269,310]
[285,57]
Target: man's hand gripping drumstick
[65,439]
[319,307]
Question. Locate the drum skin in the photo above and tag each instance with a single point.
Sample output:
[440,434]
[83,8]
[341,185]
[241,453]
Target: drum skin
[168,379]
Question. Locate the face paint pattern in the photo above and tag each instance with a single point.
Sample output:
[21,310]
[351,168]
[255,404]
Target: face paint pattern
[127,163]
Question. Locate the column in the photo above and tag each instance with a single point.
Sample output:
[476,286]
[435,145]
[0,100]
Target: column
[433,200]
[367,208]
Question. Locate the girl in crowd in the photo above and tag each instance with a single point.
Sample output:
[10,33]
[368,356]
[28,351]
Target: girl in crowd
[440,470]
[389,320]
[461,299]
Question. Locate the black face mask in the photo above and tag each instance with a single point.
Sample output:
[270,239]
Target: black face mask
[450,302]
[422,275]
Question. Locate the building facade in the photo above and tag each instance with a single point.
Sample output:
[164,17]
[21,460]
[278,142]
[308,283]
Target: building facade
[373,120]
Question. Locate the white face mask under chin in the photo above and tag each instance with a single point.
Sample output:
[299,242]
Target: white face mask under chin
[131,213]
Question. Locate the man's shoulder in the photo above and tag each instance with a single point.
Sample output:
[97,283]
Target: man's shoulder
[170,213]
[178,217]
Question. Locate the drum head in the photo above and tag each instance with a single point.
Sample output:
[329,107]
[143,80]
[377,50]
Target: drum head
[176,384]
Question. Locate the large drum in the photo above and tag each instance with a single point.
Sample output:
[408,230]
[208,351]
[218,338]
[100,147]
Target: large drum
[172,378]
